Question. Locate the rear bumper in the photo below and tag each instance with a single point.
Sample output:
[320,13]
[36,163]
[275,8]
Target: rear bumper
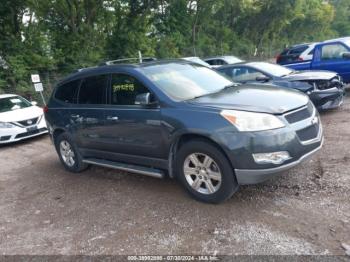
[255,176]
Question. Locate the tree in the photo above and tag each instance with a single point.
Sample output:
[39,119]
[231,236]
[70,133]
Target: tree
[132,30]
[341,23]
[54,37]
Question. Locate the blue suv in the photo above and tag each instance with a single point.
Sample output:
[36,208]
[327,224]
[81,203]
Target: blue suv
[182,120]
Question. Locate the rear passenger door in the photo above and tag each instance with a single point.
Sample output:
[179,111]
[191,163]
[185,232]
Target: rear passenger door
[87,117]
[132,129]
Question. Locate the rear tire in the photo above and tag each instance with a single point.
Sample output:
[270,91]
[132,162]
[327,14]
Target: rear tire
[69,154]
[205,172]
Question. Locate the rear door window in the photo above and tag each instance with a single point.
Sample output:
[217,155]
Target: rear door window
[68,92]
[285,51]
[93,90]
[216,62]
[220,62]
[298,50]
[211,62]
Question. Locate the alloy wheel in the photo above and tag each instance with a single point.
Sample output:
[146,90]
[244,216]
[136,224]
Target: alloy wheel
[202,173]
[67,153]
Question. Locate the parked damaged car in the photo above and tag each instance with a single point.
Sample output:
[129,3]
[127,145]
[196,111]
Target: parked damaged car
[325,88]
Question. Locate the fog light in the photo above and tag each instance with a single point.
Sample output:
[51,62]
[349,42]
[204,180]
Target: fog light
[271,158]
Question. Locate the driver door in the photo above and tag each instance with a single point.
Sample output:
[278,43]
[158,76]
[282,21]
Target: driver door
[132,129]
[331,56]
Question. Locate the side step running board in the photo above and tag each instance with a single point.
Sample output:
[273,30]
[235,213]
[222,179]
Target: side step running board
[126,167]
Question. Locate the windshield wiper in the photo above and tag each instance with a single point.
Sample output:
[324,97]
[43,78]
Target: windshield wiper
[206,94]
[291,73]
[229,86]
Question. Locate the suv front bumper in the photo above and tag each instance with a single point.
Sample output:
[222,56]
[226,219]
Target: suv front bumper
[254,176]
[300,138]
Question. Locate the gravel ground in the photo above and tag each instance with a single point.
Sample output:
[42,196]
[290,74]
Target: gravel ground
[46,210]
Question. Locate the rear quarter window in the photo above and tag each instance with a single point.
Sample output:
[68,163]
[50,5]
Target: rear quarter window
[68,92]
[285,51]
[298,50]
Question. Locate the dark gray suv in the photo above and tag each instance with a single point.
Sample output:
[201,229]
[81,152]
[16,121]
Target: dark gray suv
[183,120]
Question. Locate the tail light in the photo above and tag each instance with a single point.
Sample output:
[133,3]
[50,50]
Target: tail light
[46,109]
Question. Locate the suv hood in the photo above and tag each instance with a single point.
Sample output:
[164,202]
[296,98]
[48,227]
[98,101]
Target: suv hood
[21,114]
[264,99]
[310,75]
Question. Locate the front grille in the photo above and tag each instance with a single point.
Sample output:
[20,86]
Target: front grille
[309,132]
[300,114]
[30,133]
[29,122]
[4,138]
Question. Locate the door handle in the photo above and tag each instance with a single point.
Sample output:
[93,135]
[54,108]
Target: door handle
[74,116]
[113,118]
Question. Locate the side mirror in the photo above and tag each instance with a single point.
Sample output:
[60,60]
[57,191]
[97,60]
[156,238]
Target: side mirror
[144,99]
[346,55]
[262,78]
[34,103]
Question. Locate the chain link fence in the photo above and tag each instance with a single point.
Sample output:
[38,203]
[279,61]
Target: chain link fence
[49,79]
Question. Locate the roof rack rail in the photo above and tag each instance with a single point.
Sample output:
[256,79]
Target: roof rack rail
[84,68]
[126,60]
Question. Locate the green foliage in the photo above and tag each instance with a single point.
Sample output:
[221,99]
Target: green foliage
[341,23]
[55,37]
[132,30]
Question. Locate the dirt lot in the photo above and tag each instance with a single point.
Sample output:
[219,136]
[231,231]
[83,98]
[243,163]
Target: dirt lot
[46,210]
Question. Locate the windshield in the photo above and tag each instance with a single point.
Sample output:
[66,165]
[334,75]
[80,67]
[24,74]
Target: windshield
[272,69]
[186,81]
[13,103]
[232,59]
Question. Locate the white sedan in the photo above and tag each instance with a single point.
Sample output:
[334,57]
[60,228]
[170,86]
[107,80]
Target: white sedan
[19,119]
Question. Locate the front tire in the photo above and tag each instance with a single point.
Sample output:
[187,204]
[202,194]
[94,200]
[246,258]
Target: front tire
[205,172]
[69,154]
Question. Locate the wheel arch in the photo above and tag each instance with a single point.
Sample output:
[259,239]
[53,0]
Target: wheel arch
[185,137]
[57,132]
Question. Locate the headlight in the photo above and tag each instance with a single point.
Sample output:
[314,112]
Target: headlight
[6,125]
[248,121]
